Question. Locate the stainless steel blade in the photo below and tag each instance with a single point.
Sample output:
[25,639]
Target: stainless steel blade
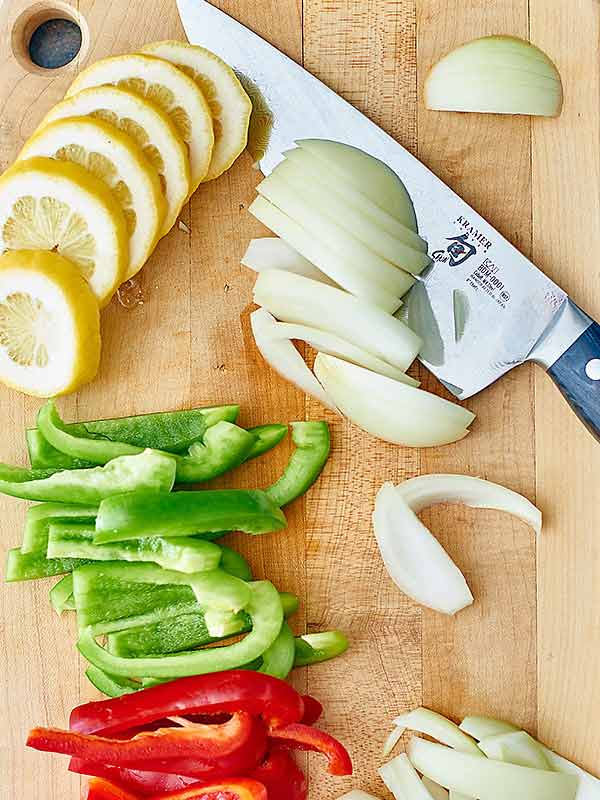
[483,306]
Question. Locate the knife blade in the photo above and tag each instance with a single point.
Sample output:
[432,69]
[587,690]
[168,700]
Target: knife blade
[482,308]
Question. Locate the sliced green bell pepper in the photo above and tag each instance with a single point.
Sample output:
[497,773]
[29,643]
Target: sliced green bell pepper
[278,659]
[315,647]
[185,554]
[137,514]
[149,470]
[306,462]
[61,595]
[235,564]
[109,684]
[265,611]
[224,447]
[29,566]
[39,518]
[267,437]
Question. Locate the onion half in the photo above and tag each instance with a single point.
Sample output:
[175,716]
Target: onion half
[283,357]
[271,252]
[388,409]
[498,75]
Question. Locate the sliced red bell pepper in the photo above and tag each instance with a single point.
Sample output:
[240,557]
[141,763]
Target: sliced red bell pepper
[282,777]
[303,737]
[139,782]
[275,701]
[312,710]
[231,789]
[98,789]
[201,742]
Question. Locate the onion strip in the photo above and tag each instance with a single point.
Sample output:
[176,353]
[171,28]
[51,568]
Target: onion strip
[401,778]
[270,252]
[423,720]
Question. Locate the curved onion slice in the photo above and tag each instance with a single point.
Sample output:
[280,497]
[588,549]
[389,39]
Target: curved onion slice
[482,727]
[343,271]
[415,560]
[388,409]
[485,778]
[435,790]
[333,345]
[498,75]
[293,298]
[392,740]
[438,727]
[285,359]
[273,253]
[427,490]
[402,780]
[518,747]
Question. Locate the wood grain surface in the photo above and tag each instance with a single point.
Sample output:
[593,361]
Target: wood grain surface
[529,648]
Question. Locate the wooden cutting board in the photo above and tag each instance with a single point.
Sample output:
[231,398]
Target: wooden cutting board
[529,648]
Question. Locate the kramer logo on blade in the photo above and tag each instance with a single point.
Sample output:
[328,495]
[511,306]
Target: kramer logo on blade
[461,247]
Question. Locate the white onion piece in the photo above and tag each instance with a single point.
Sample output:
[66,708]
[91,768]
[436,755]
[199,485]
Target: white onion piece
[487,779]
[482,727]
[341,270]
[305,162]
[392,740]
[304,209]
[435,790]
[366,174]
[589,786]
[391,410]
[413,557]
[283,357]
[293,298]
[333,345]
[314,198]
[401,778]
[356,794]
[495,74]
[427,490]
[517,747]
[271,252]
[438,727]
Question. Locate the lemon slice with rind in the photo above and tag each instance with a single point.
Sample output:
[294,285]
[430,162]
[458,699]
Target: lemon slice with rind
[152,130]
[116,159]
[49,324]
[167,87]
[56,205]
[229,104]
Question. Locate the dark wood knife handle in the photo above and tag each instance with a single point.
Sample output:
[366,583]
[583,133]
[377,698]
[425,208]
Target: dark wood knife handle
[577,375]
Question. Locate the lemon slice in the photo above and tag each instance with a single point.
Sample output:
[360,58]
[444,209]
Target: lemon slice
[229,104]
[150,127]
[55,205]
[167,87]
[49,324]
[116,159]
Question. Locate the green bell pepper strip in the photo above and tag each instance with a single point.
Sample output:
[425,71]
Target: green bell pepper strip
[39,518]
[43,456]
[150,470]
[224,447]
[110,685]
[313,648]
[182,632]
[264,608]
[138,514]
[30,566]
[306,462]
[61,595]
[267,437]
[234,563]
[185,554]
[214,414]
[278,659]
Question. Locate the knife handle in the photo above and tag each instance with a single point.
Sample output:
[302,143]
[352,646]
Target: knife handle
[577,375]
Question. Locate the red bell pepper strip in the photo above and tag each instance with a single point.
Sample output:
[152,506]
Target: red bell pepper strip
[202,742]
[312,710]
[275,701]
[139,782]
[282,777]
[231,789]
[103,790]
[303,737]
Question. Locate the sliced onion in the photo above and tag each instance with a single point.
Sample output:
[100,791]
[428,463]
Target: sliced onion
[303,210]
[273,253]
[293,298]
[435,790]
[438,727]
[343,271]
[589,786]
[392,740]
[401,778]
[366,174]
[428,490]
[388,409]
[413,557]
[517,747]
[495,74]
[283,357]
[307,164]
[482,727]
[487,779]
[333,345]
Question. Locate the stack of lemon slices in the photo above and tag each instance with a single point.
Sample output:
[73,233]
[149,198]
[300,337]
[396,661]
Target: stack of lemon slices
[101,180]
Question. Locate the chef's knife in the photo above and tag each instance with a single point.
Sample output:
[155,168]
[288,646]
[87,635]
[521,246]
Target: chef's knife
[482,307]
